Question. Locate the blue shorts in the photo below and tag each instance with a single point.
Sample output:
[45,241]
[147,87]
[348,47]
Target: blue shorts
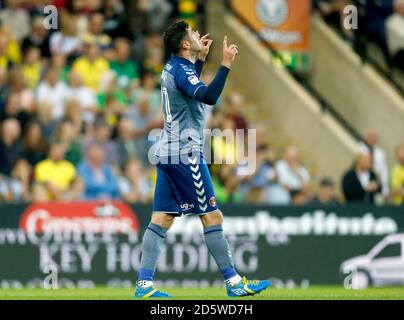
[184,188]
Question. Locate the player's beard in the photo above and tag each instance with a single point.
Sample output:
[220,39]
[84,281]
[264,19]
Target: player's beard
[195,49]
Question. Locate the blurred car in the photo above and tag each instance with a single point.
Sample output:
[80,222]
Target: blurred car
[382,266]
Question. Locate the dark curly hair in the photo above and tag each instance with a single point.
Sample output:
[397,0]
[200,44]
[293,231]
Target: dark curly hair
[174,35]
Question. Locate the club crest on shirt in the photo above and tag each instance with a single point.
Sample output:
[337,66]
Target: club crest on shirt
[193,79]
[212,201]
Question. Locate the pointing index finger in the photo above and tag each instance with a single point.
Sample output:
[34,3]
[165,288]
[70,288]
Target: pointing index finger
[225,42]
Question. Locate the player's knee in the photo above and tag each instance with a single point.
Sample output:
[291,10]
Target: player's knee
[163,219]
[212,218]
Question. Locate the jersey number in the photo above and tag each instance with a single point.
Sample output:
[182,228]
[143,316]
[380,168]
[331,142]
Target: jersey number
[166,102]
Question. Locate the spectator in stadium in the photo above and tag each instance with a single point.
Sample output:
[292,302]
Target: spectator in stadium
[115,24]
[157,13]
[126,142]
[395,34]
[95,33]
[255,188]
[148,91]
[102,137]
[13,110]
[10,53]
[16,187]
[84,96]
[4,90]
[370,146]
[24,95]
[32,67]
[377,13]
[99,180]
[84,7]
[66,41]
[67,135]
[53,91]
[226,184]
[38,37]
[116,105]
[326,194]
[10,145]
[360,184]
[58,62]
[54,175]
[44,118]
[143,120]
[154,53]
[16,20]
[224,144]
[135,184]
[34,144]
[126,70]
[293,177]
[233,111]
[397,177]
[73,113]
[92,67]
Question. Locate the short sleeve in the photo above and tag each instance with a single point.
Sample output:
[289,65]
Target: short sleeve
[187,81]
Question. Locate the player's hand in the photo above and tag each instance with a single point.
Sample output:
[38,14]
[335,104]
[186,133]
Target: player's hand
[229,53]
[205,46]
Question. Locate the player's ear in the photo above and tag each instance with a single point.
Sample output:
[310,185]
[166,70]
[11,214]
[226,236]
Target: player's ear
[186,45]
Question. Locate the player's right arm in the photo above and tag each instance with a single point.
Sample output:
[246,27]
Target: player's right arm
[191,84]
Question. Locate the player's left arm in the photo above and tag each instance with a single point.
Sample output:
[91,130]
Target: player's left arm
[188,81]
[205,46]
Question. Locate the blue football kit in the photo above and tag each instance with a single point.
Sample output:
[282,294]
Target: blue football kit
[184,184]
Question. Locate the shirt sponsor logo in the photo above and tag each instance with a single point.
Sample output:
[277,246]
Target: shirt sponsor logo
[187,206]
[193,79]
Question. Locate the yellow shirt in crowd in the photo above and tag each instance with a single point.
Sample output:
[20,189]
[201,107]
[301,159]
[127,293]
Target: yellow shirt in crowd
[397,181]
[61,174]
[92,73]
[32,74]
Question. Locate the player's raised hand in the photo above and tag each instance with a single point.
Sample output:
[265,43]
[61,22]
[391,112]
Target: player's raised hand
[205,46]
[229,53]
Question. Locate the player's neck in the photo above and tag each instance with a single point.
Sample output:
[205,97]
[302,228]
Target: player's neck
[188,55]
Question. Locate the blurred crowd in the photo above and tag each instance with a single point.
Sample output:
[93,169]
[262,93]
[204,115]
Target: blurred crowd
[77,104]
[77,101]
[283,179]
[379,21]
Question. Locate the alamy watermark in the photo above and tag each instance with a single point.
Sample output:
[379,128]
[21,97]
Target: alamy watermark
[51,19]
[351,19]
[355,279]
[232,147]
[51,279]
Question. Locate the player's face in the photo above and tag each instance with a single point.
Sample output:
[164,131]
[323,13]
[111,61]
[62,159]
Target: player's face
[194,40]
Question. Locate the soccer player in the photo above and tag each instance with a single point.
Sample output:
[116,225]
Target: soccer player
[184,185]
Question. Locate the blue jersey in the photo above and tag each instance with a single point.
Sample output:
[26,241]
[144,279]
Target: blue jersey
[184,116]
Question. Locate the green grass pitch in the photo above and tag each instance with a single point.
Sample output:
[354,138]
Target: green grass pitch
[312,293]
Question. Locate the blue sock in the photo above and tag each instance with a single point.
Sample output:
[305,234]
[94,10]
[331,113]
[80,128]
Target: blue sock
[152,241]
[220,250]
